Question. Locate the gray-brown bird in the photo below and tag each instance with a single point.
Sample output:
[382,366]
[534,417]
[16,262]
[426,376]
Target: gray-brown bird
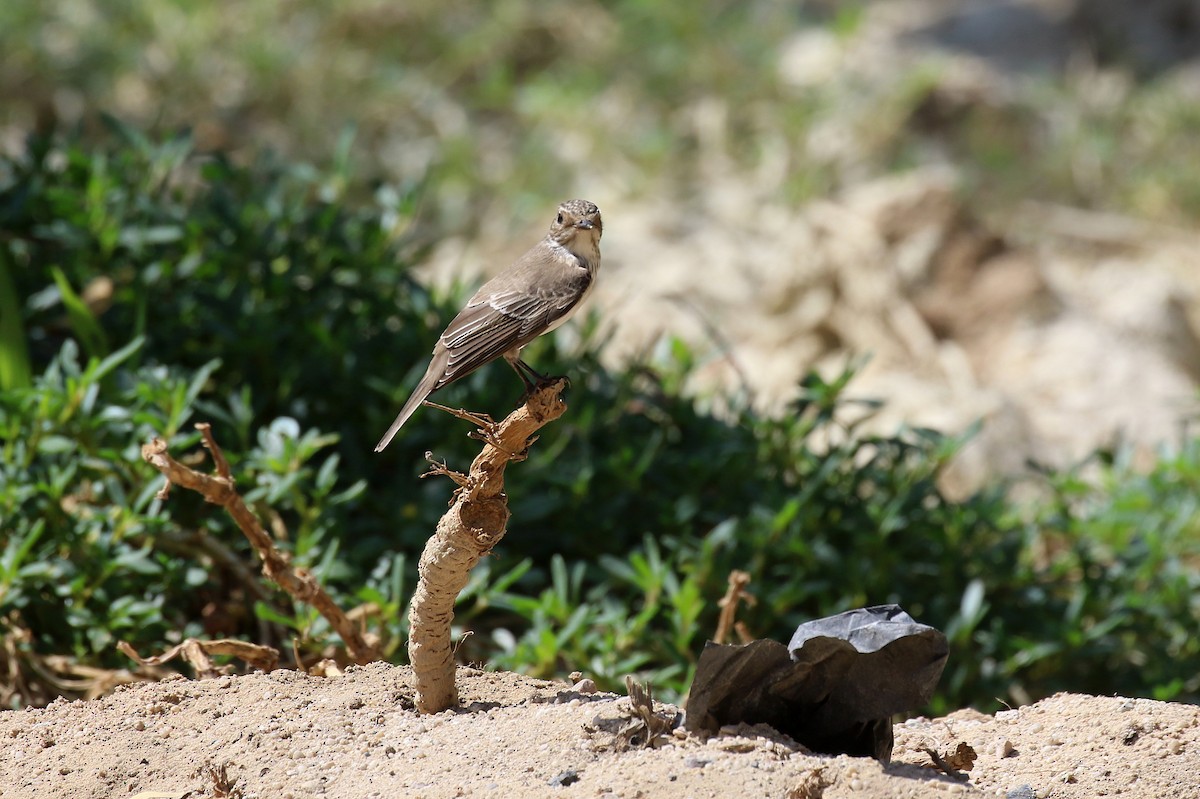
[536,294]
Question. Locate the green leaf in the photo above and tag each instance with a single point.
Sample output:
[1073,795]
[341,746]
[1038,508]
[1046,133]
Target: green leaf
[86,328]
[106,366]
[14,352]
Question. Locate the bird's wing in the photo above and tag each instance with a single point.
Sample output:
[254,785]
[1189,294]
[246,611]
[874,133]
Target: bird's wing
[492,324]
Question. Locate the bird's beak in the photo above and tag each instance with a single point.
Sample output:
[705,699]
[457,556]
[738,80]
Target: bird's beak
[584,224]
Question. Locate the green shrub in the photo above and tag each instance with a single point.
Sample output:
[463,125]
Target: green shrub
[90,556]
[269,300]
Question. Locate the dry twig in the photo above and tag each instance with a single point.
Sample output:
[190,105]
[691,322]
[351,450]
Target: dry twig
[223,786]
[736,594]
[220,490]
[29,678]
[953,764]
[196,653]
[645,722]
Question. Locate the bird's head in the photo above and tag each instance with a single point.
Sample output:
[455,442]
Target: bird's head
[577,226]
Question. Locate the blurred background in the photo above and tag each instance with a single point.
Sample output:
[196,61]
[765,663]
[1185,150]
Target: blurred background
[988,208]
[995,199]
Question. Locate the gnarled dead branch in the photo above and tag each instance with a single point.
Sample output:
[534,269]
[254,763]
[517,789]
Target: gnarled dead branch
[476,521]
[220,489]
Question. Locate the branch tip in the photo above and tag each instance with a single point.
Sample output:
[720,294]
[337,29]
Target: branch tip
[214,449]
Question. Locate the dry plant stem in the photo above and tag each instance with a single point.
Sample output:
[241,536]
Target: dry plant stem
[736,593]
[196,653]
[53,675]
[476,521]
[940,763]
[195,544]
[220,490]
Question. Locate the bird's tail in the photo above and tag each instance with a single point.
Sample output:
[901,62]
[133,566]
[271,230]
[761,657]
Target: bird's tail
[428,384]
[416,399]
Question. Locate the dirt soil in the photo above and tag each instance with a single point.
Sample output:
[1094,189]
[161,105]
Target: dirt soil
[287,734]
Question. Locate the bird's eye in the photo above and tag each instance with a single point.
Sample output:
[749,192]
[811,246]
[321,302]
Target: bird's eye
[559,219]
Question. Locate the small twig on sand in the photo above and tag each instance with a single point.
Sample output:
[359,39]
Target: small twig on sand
[476,521]
[197,654]
[647,727]
[940,763]
[220,490]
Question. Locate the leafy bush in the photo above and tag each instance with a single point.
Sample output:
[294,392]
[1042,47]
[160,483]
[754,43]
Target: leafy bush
[90,556]
[1122,550]
[158,287]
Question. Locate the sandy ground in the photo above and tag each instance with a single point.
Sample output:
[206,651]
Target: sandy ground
[286,734]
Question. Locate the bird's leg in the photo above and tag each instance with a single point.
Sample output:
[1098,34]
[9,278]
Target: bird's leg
[518,365]
[532,378]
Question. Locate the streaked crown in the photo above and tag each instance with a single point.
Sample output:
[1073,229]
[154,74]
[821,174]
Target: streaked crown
[574,217]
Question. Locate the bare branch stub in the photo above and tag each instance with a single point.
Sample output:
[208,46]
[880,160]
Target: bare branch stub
[210,444]
[476,521]
[480,420]
[440,469]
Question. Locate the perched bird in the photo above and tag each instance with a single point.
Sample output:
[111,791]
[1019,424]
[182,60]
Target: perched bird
[534,295]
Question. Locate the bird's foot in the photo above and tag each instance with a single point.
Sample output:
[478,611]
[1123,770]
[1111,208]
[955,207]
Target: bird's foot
[533,379]
[541,382]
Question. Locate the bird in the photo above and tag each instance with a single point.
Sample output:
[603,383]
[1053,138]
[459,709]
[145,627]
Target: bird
[534,295]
